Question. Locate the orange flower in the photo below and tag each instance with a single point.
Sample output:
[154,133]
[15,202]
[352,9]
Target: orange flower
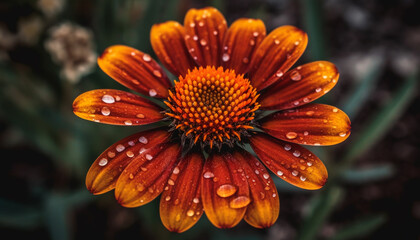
[227,78]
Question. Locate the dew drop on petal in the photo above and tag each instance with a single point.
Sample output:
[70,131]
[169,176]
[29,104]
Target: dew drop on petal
[147,58]
[128,122]
[203,42]
[105,111]
[335,110]
[190,213]
[157,74]
[119,148]
[305,133]
[291,135]
[208,175]
[302,178]
[309,164]
[279,73]
[152,92]
[108,99]
[240,202]
[111,154]
[149,157]
[318,90]
[103,162]
[196,200]
[280,173]
[142,150]
[295,76]
[226,190]
[140,187]
[176,170]
[143,140]
[167,198]
[131,143]
[140,115]
[225,57]
[129,154]
[296,153]
[171,182]
[295,173]
[266,175]
[343,134]
[287,147]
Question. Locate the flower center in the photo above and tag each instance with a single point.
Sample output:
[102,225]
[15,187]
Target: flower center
[212,106]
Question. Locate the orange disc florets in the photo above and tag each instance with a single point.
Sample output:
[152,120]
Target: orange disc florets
[213,106]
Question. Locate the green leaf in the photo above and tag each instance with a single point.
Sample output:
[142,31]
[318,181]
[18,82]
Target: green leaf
[373,173]
[319,210]
[381,122]
[359,228]
[18,215]
[358,96]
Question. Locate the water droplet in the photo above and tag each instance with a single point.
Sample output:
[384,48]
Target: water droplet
[128,122]
[176,202]
[119,148]
[252,42]
[129,154]
[306,100]
[309,164]
[266,175]
[143,140]
[178,217]
[255,34]
[195,38]
[108,99]
[196,200]
[318,90]
[291,135]
[215,32]
[296,103]
[190,213]
[297,43]
[147,58]
[157,74]
[279,73]
[192,24]
[151,190]
[131,143]
[142,150]
[117,98]
[277,42]
[149,157]
[176,170]
[302,178]
[245,60]
[296,153]
[317,144]
[167,198]
[310,113]
[226,190]
[280,173]
[152,92]
[274,195]
[171,182]
[240,202]
[103,162]
[208,175]
[225,57]
[111,154]
[305,133]
[295,76]
[140,115]
[335,110]
[295,173]
[140,187]
[105,111]
[203,42]
[343,134]
[143,169]
[133,54]
[287,147]
[131,176]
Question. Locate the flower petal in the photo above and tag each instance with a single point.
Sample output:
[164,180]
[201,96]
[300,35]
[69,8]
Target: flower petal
[144,179]
[168,43]
[135,70]
[276,54]
[205,29]
[291,162]
[104,172]
[264,208]
[224,190]
[300,86]
[180,203]
[311,124]
[241,40]
[116,107]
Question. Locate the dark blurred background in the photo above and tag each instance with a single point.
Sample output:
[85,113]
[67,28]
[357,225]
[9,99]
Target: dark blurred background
[48,51]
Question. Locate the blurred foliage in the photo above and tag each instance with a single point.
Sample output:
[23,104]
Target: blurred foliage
[35,107]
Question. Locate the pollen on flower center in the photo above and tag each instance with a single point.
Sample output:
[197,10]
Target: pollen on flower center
[212,106]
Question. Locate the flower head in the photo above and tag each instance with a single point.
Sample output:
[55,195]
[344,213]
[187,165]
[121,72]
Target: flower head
[227,77]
